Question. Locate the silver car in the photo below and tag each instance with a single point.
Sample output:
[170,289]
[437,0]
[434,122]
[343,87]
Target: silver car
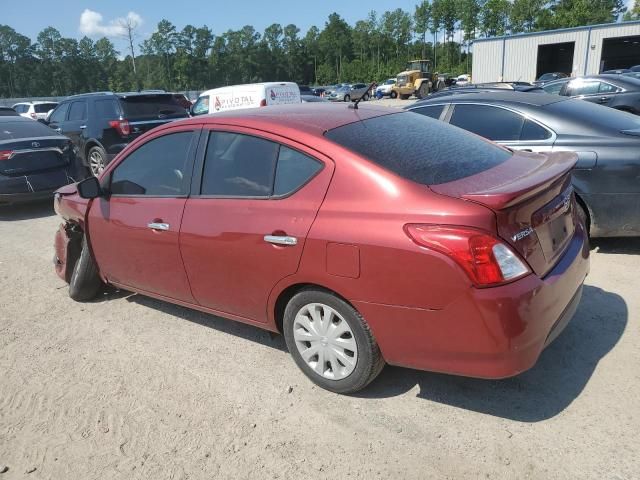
[349,93]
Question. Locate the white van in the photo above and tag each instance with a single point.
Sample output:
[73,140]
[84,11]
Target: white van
[250,95]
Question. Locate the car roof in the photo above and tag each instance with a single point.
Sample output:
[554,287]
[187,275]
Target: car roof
[315,118]
[526,98]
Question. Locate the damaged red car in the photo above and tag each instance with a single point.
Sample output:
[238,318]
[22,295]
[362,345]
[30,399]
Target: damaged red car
[364,235]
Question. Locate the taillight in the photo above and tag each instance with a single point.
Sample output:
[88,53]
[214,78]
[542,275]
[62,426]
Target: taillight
[33,115]
[263,102]
[486,260]
[5,154]
[122,126]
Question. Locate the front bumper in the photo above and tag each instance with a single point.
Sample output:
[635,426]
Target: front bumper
[34,187]
[489,333]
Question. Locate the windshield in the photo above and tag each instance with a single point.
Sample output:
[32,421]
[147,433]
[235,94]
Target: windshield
[419,148]
[423,66]
[391,81]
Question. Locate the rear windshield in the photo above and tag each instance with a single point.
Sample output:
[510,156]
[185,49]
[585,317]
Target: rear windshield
[44,107]
[28,129]
[419,148]
[595,115]
[152,107]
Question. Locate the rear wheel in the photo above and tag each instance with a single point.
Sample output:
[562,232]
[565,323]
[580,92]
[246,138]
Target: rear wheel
[365,97]
[347,98]
[97,159]
[85,281]
[404,97]
[330,342]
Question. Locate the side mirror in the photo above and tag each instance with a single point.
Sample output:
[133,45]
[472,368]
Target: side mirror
[89,188]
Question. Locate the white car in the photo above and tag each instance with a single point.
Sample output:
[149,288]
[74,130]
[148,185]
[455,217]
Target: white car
[35,110]
[463,80]
[385,88]
[250,95]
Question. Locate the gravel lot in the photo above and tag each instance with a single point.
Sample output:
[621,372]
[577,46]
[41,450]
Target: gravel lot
[130,387]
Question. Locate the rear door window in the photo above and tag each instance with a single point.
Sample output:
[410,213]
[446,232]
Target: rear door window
[419,148]
[44,107]
[494,123]
[78,111]
[433,111]
[238,165]
[607,88]
[293,171]
[152,107]
[157,168]
[554,88]
[582,87]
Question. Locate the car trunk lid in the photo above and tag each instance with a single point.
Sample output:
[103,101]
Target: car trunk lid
[147,111]
[535,208]
[22,157]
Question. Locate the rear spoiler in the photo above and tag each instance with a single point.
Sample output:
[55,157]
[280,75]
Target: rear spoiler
[520,189]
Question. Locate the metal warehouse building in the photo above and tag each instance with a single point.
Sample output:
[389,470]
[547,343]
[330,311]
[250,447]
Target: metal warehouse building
[575,51]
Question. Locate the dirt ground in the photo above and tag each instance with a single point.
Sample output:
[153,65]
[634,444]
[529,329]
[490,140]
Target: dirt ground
[128,388]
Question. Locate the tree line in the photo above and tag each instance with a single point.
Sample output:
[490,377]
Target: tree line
[196,58]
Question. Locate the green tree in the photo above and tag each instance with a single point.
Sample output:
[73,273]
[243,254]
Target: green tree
[525,15]
[422,23]
[495,18]
[634,13]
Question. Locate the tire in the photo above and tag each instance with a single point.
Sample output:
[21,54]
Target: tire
[365,97]
[404,97]
[423,91]
[393,94]
[347,98]
[439,85]
[96,160]
[331,367]
[85,281]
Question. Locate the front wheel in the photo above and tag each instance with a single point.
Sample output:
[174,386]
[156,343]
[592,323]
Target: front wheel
[404,97]
[423,91]
[347,98]
[330,342]
[393,94]
[85,281]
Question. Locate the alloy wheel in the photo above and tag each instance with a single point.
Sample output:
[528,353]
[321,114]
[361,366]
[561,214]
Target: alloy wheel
[96,163]
[325,341]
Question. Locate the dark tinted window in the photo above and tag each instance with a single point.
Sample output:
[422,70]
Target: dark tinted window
[78,110]
[489,122]
[606,88]
[294,170]
[156,168]
[152,107]
[533,131]
[419,148]
[554,88]
[44,107]
[8,112]
[433,111]
[59,113]
[239,166]
[594,116]
[27,129]
[107,108]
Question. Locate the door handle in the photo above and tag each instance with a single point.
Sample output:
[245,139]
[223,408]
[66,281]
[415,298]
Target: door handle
[59,130]
[158,226]
[604,99]
[281,240]
[82,127]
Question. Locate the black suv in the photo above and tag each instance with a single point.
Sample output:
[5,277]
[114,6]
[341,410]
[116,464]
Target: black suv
[101,124]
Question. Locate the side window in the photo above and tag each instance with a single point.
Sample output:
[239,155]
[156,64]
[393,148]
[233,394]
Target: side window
[239,165]
[554,88]
[607,88]
[201,107]
[78,110]
[108,109]
[493,123]
[59,114]
[433,111]
[293,171]
[157,168]
[532,131]
[580,87]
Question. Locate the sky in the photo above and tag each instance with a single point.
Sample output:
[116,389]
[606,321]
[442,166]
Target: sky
[74,18]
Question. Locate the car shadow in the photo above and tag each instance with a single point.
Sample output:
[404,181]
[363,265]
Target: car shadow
[26,211]
[238,329]
[622,245]
[544,391]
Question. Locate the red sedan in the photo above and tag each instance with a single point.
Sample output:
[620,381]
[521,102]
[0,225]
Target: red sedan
[366,236]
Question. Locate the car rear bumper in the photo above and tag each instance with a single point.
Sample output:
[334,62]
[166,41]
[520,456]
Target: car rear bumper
[489,333]
[34,187]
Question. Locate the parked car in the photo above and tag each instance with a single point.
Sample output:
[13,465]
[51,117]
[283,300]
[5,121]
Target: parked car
[556,86]
[632,75]
[616,91]
[635,68]
[312,99]
[305,220]
[606,141]
[34,160]
[484,87]
[34,110]
[251,95]
[463,80]
[549,77]
[305,90]
[8,112]
[617,71]
[384,90]
[101,124]
[349,93]
[318,91]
